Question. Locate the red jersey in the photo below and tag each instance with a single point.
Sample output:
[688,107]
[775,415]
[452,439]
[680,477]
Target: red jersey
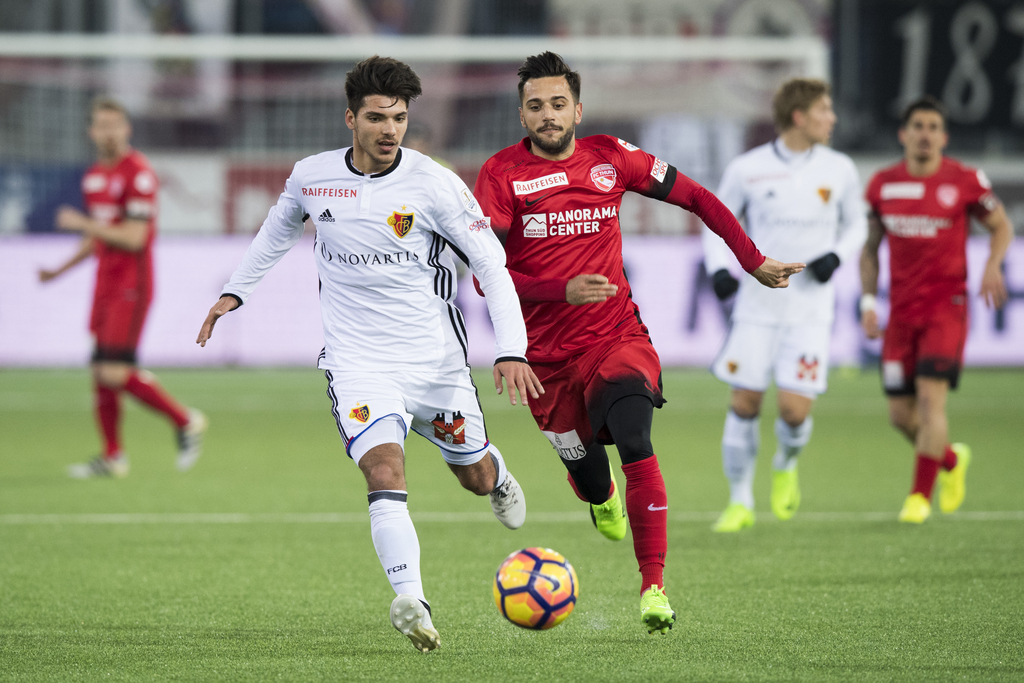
[113,193]
[559,219]
[926,223]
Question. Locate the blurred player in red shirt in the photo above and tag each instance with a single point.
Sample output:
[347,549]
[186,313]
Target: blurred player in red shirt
[554,202]
[922,205]
[120,197]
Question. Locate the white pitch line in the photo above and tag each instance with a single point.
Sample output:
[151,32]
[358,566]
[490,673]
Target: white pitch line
[444,517]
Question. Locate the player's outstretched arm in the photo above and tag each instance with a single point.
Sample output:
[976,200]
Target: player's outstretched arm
[993,287]
[869,278]
[224,305]
[775,274]
[520,378]
[85,249]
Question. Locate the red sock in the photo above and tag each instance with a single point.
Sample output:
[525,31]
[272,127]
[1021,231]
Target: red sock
[108,415]
[572,483]
[144,387]
[949,459]
[924,475]
[647,505]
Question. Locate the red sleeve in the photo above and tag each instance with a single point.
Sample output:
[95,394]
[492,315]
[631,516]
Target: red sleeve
[140,193]
[693,197]
[531,288]
[978,195]
[650,176]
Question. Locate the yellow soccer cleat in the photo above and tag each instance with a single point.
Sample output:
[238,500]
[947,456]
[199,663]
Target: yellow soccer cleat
[735,518]
[785,493]
[609,517]
[953,484]
[916,509]
[655,612]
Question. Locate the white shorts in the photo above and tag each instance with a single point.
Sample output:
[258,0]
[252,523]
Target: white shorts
[441,407]
[798,355]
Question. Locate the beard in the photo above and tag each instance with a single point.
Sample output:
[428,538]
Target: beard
[558,146]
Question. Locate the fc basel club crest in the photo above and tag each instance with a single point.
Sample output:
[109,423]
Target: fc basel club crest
[401,223]
[807,368]
[360,413]
[824,193]
[453,431]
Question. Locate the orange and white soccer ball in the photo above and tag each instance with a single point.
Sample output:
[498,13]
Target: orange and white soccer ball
[536,588]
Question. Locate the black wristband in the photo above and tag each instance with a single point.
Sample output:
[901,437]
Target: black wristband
[510,359]
[233,296]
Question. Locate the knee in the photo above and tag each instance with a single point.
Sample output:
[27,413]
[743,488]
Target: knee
[384,476]
[901,420]
[634,448]
[746,404]
[112,376]
[793,417]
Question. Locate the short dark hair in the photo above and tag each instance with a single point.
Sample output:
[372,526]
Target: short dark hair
[796,94]
[926,103]
[545,65]
[381,76]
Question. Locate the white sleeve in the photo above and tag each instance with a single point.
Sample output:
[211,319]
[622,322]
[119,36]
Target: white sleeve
[280,232]
[853,218]
[461,221]
[717,254]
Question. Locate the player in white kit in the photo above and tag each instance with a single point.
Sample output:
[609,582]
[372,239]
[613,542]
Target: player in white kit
[802,202]
[395,344]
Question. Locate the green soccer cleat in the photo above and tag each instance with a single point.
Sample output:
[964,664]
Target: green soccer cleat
[953,484]
[785,493]
[655,612]
[609,517]
[736,517]
[916,509]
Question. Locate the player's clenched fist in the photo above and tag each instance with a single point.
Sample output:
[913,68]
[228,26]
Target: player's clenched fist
[225,304]
[774,274]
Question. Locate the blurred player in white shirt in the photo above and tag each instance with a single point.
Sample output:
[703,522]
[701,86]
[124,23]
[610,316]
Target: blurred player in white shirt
[395,344]
[801,201]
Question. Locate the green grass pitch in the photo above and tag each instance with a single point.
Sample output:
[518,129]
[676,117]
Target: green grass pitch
[287,586]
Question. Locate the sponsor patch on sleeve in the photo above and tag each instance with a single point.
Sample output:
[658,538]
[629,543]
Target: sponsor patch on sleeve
[482,224]
[629,147]
[983,180]
[659,169]
[468,199]
[145,182]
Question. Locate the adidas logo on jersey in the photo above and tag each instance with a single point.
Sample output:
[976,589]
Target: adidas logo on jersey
[326,217]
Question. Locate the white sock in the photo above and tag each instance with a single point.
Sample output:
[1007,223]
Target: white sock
[394,538]
[791,441]
[739,457]
[499,464]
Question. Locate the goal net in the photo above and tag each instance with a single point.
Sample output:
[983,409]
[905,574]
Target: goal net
[224,118]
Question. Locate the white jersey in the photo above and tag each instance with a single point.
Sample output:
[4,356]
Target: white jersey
[797,206]
[387,282]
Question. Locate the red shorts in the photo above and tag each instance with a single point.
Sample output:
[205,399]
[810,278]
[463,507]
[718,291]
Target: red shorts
[116,324]
[580,390]
[925,348]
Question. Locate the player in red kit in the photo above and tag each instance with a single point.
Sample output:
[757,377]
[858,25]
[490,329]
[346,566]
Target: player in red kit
[922,206]
[120,197]
[554,201]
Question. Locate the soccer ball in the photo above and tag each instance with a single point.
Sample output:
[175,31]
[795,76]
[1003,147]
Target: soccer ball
[536,588]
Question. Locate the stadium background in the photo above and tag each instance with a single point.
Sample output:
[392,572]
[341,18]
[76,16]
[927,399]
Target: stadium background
[224,132]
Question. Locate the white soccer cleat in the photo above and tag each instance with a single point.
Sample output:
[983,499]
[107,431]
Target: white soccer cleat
[99,466]
[509,503]
[412,618]
[190,440]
